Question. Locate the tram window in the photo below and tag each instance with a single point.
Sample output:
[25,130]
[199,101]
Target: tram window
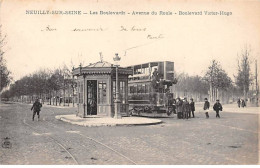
[137,69]
[102,89]
[146,88]
[143,88]
[132,89]
[122,91]
[143,71]
[129,90]
[146,70]
[139,89]
[135,89]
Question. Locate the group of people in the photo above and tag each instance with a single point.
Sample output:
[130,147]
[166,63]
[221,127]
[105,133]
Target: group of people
[217,107]
[241,102]
[184,108]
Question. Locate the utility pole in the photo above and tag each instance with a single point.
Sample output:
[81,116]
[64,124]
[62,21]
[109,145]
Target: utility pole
[256,84]
[117,101]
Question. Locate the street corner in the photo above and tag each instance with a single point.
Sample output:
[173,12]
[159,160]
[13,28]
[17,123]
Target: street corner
[106,121]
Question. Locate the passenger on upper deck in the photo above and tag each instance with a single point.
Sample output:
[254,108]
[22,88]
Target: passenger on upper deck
[156,74]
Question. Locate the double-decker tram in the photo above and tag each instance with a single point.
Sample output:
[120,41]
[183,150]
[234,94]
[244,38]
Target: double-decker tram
[149,92]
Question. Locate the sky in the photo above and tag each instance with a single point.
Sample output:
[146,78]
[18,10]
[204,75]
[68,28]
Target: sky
[191,42]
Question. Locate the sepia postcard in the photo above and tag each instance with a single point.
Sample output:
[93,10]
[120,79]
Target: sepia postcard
[129,82]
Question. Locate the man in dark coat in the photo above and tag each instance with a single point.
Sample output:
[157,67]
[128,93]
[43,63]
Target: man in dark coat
[36,108]
[217,107]
[186,108]
[179,108]
[174,106]
[192,107]
[206,107]
[238,102]
[243,103]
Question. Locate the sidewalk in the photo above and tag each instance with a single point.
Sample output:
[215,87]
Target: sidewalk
[232,108]
[106,121]
[60,106]
[51,105]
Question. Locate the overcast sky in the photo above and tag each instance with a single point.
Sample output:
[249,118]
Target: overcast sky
[190,41]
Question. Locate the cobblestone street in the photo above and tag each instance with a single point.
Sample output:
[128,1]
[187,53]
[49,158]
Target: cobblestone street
[232,139]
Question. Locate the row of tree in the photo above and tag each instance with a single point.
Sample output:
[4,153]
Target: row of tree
[44,84]
[212,83]
[216,81]
[191,83]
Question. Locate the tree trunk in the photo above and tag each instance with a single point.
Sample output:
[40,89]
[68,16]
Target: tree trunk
[50,97]
[210,93]
[245,97]
[56,97]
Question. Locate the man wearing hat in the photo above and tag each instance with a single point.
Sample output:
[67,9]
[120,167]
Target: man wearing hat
[36,108]
[217,107]
[192,108]
[206,107]
[186,108]
[179,108]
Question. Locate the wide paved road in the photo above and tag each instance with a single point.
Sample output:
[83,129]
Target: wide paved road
[232,139]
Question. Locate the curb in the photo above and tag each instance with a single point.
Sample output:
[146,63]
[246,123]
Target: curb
[105,124]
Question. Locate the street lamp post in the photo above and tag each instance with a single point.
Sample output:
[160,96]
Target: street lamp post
[117,101]
[64,89]
[72,86]
[256,84]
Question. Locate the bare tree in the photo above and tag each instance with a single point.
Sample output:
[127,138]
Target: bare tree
[5,78]
[244,78]
[217,79]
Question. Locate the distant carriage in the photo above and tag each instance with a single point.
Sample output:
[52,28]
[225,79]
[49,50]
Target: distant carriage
[149,92]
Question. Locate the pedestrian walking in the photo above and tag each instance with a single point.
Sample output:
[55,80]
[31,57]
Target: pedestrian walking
[217,107]
[36,108]
[243,103]
[179,108]
[174,106]
[206,107]
[186,108]
[238,102]
[192,107]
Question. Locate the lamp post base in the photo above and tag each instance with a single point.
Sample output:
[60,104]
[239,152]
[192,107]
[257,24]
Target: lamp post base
[84,110]
[117,110]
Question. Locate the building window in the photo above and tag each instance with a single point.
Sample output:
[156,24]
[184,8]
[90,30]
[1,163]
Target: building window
[114,90]
[80,92]
[102,92]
